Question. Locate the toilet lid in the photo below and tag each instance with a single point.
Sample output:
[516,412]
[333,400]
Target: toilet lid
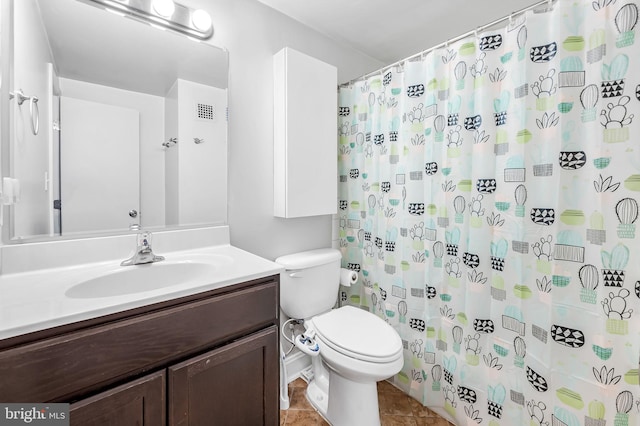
[359,334]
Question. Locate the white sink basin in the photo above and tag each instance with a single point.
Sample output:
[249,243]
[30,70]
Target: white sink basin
[148,277]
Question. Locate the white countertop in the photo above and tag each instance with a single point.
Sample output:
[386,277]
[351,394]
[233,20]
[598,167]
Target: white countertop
[33,301]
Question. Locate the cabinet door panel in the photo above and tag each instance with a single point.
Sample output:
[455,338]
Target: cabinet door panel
[138,403]
[236,384]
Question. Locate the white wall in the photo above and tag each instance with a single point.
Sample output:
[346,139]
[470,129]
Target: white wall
[253,33]
[198,202]
[151,110]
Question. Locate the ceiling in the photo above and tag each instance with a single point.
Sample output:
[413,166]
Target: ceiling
[391,30]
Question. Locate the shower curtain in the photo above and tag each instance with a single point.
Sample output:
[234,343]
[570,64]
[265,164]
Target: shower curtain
[488,198]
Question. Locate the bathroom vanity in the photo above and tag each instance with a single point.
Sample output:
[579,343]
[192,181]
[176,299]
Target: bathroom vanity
[212,355]
[189,354]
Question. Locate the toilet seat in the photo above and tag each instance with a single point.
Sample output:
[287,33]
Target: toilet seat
[358,334]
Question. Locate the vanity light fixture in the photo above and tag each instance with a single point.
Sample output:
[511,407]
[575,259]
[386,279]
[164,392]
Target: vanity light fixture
[165,14]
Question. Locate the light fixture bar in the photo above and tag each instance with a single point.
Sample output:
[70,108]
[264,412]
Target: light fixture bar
[142,10]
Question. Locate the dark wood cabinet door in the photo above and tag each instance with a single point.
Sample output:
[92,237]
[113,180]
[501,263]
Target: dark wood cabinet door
[236,384]
[138,403]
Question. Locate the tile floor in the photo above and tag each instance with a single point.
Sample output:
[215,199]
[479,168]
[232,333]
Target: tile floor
[396,408]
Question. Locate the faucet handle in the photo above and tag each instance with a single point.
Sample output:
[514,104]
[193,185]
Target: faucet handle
[144,239]
[143,253]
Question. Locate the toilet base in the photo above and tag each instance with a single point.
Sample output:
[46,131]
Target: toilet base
[352,403]
[343,402]
[318,388]
[317,398]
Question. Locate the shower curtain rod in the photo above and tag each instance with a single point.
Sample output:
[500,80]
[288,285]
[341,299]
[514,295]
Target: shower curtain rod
[453,40]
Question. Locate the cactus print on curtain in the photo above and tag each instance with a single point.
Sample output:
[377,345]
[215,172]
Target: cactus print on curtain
[488,197]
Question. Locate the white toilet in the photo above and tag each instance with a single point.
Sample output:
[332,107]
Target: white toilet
[356,348]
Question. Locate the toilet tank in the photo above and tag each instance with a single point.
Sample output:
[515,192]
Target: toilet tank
[310,282]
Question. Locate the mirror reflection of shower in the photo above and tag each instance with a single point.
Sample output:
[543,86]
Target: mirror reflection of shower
[101,139]
[171,142]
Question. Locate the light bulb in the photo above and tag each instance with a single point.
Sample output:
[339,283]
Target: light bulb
[201,20]
[164,8]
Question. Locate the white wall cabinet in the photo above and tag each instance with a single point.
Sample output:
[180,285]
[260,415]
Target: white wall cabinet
[305,135]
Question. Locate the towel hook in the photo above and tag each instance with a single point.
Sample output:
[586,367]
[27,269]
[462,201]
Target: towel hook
[34,110]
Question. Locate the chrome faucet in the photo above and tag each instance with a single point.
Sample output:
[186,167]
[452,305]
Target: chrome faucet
[143,253]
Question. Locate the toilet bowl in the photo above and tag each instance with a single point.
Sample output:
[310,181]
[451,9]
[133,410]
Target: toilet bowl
[356,348]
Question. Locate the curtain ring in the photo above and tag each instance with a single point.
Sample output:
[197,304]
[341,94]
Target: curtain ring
[35,117]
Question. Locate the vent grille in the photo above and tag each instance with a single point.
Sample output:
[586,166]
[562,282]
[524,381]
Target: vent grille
[206,112]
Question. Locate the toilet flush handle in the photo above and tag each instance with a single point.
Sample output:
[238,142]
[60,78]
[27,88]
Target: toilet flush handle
[296,274]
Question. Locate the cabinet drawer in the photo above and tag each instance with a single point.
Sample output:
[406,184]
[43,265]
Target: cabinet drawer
[65,367]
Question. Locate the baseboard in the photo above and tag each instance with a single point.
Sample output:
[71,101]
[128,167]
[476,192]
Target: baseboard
[295,363]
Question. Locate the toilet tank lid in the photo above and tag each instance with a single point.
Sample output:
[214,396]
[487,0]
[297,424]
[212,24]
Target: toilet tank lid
[308,259]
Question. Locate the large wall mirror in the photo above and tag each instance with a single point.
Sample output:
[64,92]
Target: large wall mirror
[129,129]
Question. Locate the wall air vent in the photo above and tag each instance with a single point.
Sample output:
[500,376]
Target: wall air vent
[205,111]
